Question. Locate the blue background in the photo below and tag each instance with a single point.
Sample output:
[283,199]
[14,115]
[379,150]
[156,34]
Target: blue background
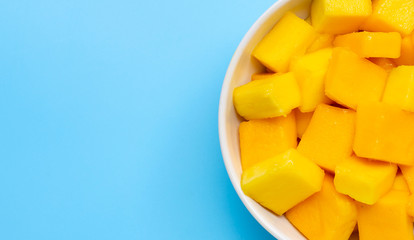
[109,119]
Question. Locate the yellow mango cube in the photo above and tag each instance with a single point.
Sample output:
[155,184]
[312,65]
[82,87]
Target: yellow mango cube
[326,215]
[384,132]
[399,90]
[407,52]
[310,71]
[371,44]
[408,173]
[339,16]
[351,79]
[410,206]
[329,136]
[391,16]
[385,63]
[323,40]
[262,139]
[271,97]
[290,37]
[281,182]
[386,219]
[302,122]
[364,180]
[400,184]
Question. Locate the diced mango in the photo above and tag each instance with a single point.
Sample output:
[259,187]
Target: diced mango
[407,52]
[329,136]
[267,98]
[364,180]
[400,184]
[391,16]
[310,71]
[326,215]
[339,16]
[386,219]
[384,132]
[351,79]
[323,40]
[262,139]
[399,90]
[410,206]
[302,121]
[408,173]
[371,44]
[291,36]
[386,63]
[281,182]
[260,76]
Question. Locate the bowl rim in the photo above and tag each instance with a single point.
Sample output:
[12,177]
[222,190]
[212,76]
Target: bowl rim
[222,119]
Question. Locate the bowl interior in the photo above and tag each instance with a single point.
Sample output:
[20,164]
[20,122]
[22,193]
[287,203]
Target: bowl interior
[241,67]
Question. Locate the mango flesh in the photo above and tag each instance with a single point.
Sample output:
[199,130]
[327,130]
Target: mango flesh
[271,97]
[326,215]
[364,180]
[329,136]
[391,16]
[399,90]
[410,206]
[310,72]
[351,79]
[302,122]
[400,184]
[259,76]
[283,181]
[290,37]
[339,16]
[386,219]
[262,139]
[385,63]
[323,40]
[371,44]
[407,52]
[384,132]
[408,173]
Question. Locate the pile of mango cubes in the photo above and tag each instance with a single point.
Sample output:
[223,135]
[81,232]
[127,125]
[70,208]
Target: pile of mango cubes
[328,139]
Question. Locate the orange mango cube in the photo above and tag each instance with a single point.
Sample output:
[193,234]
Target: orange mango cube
[384,132]
[339,16]
[399,90]
[371,44]
[364,180]
[302,121]
[386,63]
[400,184]
[329,136]
[410,206]
[391,16]
[290,37]
[265,138]
[266,182]
[351,79]
[323,40]
[386,219]
[326,215]
[310,72]
[407,52]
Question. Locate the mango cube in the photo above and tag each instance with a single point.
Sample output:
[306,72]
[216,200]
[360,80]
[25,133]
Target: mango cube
[400,184]
[399,90]
[262,139]
[290,37]
[339,16]
[408,173]
[384,132]
[410,206]
[371,44]
[329,136]
[351,79]
[267,98]
[391,16]
[323,40]
[407,52]
[364,180]
[302,121]
[326,215]
[386,219]
[281,182]
[386,63]
[310,71]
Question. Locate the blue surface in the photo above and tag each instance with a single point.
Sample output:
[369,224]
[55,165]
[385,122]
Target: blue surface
[109,119]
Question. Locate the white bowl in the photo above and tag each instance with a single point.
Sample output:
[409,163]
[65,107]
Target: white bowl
[241,67]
